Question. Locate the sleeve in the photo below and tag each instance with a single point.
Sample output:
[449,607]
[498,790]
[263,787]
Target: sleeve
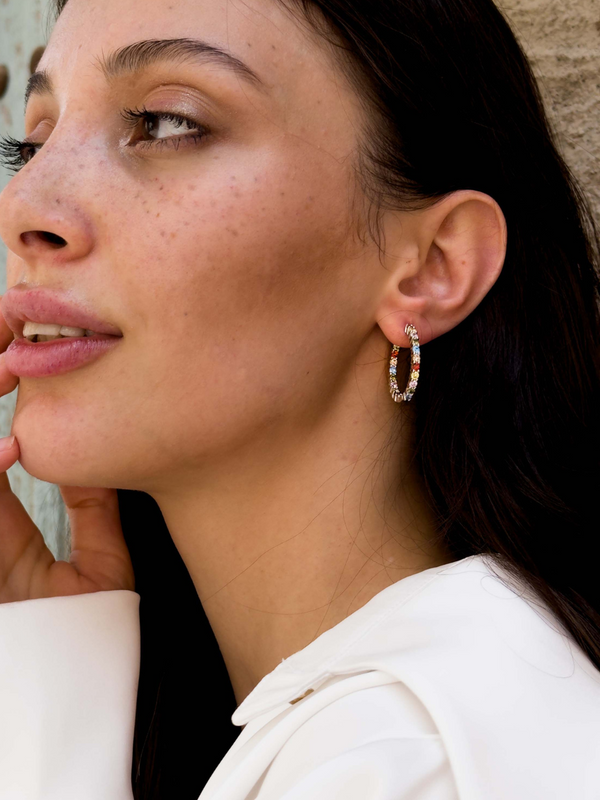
[69,671]
[389,769]
[378,743]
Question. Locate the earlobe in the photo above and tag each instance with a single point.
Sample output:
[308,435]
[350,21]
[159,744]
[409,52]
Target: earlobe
[461,244]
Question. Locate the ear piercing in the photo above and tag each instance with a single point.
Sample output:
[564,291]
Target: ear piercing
[415,367]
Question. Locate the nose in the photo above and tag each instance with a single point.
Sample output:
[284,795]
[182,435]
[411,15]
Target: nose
[42,222]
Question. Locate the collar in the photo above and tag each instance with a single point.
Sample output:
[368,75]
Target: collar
[316,663]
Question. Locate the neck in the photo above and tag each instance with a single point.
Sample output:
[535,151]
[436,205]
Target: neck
[298,531]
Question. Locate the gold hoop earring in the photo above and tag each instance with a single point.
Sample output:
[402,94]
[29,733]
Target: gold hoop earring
[415,366]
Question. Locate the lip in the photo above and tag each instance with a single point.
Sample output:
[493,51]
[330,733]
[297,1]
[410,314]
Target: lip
[25,359]
[45,359]
[21,304]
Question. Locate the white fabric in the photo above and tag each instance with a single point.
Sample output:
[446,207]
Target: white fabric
[69,670]
[447,685]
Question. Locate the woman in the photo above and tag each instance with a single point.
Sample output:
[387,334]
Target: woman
[251,224]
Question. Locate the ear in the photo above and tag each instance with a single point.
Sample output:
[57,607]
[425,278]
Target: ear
[447,258]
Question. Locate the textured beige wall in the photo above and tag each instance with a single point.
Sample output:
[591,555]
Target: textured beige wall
[562,38]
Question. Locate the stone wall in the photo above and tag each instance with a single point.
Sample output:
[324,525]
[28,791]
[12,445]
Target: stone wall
[562,38]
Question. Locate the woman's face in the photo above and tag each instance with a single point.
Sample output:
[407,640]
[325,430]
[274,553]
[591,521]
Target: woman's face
[218,238]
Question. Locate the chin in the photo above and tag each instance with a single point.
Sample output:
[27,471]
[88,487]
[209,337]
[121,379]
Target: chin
[74,442]
[41,457]
[59,443]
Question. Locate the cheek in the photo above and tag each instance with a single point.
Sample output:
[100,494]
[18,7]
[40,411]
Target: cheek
[253,252]
[227,292]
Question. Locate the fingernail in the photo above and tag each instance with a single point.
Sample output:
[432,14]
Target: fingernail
[7,442]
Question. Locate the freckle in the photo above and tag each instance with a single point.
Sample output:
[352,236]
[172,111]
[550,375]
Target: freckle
[273,47]
[57,201]
[160,188]
[185,313]
[173,234]
[282,194]
[248,43]
[158,215]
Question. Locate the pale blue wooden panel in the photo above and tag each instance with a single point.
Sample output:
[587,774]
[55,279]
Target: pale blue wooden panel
[24,26]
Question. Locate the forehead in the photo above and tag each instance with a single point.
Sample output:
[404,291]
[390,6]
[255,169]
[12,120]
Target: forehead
[261,33]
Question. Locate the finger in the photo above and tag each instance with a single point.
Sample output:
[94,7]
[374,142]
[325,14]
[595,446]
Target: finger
[9,453]
[22,545]
[98,548]
[8,381]
[6,335]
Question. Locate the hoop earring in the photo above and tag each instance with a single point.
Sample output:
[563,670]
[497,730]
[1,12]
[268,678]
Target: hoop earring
[415,366]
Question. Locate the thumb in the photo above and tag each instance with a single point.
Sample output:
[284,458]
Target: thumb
[98,549]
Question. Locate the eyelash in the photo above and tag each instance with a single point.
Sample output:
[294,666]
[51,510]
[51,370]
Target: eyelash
[12,151]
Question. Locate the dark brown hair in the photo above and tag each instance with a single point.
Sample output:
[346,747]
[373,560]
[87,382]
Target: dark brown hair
[507,414]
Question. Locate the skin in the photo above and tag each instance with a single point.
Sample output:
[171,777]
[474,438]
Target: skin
[249,394]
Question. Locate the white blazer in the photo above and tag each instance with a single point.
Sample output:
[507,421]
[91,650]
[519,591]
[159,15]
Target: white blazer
[446,685]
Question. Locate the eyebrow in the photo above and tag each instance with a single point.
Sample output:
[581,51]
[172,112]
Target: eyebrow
[140,55]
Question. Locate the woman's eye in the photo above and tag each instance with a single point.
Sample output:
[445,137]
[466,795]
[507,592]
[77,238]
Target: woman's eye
[163,127]
[160,128]
[156,129]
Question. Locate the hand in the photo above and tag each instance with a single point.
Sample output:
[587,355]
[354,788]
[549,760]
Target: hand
[100,559]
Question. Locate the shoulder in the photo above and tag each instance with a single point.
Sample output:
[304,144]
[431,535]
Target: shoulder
[471,615]
[515,700]
[470,637]
[457,671]
[476,616]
